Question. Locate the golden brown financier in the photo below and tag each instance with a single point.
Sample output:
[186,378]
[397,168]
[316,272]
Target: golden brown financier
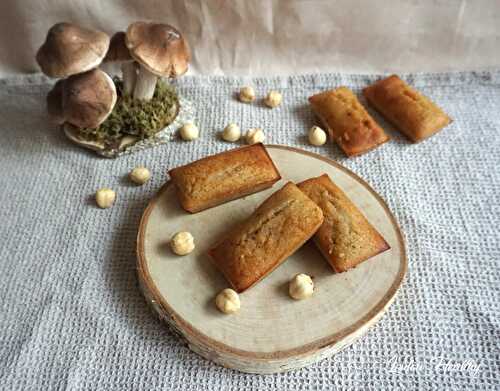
[277,228]
[226,176]
[345,238]
[408,110]
[347,121]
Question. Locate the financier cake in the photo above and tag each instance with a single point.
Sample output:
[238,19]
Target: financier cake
[345,238]
[276,229]
[412,113]
[348,123]
[220,178]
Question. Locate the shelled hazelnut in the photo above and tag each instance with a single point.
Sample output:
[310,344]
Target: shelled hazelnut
[317,136]
[182,243]
[255,135]
[228,301]
[301,287]
[105,198]
[231,133]
[273,99]
[139,175]
[247,94]
[189,131]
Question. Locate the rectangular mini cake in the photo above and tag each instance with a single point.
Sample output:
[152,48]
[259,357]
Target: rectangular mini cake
[411,112]
[348,123]
[224,177]
[277,228]
[345,238]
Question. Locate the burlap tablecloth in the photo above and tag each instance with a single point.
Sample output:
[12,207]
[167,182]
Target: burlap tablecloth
[72,316]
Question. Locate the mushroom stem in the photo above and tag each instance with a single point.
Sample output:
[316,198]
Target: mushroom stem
[129,76]
[145,84]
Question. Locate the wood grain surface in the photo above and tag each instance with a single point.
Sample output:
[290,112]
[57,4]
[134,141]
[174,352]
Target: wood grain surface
[271,333]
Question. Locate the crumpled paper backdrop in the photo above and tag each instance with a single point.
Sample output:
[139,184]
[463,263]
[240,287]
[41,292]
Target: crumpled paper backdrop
[282,36]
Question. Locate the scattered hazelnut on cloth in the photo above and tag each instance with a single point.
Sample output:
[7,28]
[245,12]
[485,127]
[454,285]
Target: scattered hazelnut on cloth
[316,136]
[231,133]
[301,287]
[254,135]
[182,243]
[247,94]
[189,131]
[139,175]
[228,301]
[105,198]
[273,99]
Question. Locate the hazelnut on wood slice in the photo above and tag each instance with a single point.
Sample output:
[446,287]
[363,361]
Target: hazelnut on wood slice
[182,243]
[301,287]
[228,301]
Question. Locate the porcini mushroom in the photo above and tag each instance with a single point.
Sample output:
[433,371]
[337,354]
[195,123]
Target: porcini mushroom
[88,98]
[118,52]
[54,103]
[70,49]
[160,50]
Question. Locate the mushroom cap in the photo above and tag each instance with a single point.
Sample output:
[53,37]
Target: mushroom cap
[54,102]
[70,49]
[160,48]
[88,98]
[118,50]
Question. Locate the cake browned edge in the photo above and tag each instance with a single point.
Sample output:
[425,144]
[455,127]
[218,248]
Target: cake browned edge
[231,196]
[327,256]
[276,264]
[330,131]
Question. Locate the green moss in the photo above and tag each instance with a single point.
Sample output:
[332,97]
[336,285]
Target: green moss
[137,117]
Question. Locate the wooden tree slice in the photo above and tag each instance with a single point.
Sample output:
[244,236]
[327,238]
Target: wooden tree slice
[271,333]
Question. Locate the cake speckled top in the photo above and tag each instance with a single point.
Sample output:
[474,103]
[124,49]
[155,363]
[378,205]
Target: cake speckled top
[277,228]
[347,121]
[412,113]
[224,177]
[346,238]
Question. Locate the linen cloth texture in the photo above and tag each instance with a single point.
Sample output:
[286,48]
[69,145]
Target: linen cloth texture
[72,316]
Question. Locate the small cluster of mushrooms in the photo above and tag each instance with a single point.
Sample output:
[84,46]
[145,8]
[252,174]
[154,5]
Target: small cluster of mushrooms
[85,95]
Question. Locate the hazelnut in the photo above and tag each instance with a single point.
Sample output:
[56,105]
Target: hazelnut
[317,136]
[189,131]
[139,175]
[231,133]
[247,94]
[105,198]
[273,99]
[228,301]
[254,135]
[182,243]
[301,287]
